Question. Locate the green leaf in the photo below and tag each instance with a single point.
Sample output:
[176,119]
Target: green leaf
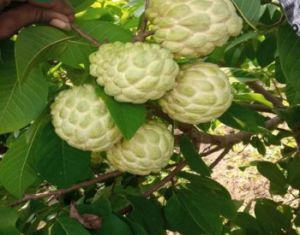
[58,163]
[66,226]
[289,50]
[291,116]
[243,118]
[32,44]
[147,213]
[16,174]
[270,218]
[241,39]
[240,74]
[253,97]
[250,10]
[248,223]
[191,200]
[174,212]
[105,32]
[278,72]
[113,225]
[20,103]
[80,5]
[128,117]
[76,53]
[136,228]
[8,219]
[266,51]
[293,176]
[272,172]
[192,157]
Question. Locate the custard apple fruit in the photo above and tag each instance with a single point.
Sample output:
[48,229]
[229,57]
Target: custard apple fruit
[81,118]
[134,72]
[148,151]
[193,28]
[202,93]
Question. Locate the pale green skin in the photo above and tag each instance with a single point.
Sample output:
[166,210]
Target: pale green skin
[81,118]
[202,93]
[193,28]
[134,72]
[148,151]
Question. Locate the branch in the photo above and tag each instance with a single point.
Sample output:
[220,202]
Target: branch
[258,107]
[98,179]
[165,180]
[88,37]
[255,86]
[220,158]
[226,140]
[142,32]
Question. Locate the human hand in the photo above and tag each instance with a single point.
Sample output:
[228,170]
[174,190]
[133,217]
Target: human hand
[54,12]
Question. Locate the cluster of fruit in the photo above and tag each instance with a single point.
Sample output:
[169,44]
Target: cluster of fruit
[140,72]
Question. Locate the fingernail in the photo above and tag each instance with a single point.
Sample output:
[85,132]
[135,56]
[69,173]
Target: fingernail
[60,24]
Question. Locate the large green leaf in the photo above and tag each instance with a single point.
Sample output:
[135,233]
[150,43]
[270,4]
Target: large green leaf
[105,32]
[253,97]
[200,212]
[293,176]
[80,5]
[128,117]
[67,226]
[192,157]
[192,202]
[179,219]
[16,174]
[20,103]
[8,219]
[76,53]
[59,163]
[248,223]
[147,213]
[243,118]
[275,175]
[270,218]
[250,10]
[113,225]
[33,43]
[289,50]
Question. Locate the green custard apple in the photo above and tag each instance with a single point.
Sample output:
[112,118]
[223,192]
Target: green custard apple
[202,93]
[148,151]
[81,118]
[134,72]
[193,28]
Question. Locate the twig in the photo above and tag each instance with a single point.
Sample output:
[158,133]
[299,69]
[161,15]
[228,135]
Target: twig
[142,32]
[255,86]
[88,37]
[220,157]
[98,179]
[226,140]
[165,180]
[277,88]
[258,107]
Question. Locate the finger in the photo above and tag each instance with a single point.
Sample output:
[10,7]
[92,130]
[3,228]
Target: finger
[4,3]
[61,6]
[13,20]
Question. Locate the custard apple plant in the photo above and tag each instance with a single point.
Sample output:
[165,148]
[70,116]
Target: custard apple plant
[124,124]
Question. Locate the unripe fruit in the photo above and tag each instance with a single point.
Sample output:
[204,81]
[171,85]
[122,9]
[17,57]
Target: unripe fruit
[202,93]
[134,72]
[81,118]
[148,151]
[193,28]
